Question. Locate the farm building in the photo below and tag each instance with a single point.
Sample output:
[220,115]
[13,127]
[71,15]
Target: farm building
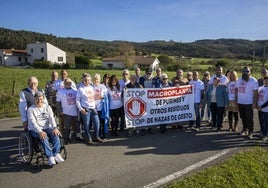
[12,57]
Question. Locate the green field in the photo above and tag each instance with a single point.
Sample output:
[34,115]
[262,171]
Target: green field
[13,80]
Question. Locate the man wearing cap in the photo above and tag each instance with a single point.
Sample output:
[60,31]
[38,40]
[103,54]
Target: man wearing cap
[146,80]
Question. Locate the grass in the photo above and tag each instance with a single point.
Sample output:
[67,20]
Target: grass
[245,169]
[13,80]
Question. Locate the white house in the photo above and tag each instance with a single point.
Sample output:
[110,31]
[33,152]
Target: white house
[139,61]
[34,51]
[46,52]
[12,57]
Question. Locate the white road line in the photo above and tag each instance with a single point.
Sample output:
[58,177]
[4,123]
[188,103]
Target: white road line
[11,146]
[177,174]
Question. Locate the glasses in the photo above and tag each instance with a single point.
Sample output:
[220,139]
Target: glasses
[164,78]
[149,73]
[125,73]
[245,71]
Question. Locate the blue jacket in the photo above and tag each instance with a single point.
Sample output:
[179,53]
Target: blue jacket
[221,95]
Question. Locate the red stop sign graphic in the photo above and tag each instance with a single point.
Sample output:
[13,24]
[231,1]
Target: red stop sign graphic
[135,107]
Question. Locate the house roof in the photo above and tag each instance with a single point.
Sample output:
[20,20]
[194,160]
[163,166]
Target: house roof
[14,51]
[141,60]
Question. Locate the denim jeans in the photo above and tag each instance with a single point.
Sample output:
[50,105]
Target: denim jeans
[197,116]
[51,138]
[263,120]
[91,115]
[69,121]
[205,107]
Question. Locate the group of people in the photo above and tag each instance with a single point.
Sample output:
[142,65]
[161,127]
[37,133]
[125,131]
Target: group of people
[97,103]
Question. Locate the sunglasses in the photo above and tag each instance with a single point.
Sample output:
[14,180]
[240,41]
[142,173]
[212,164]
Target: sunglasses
[125,74]
[164,78]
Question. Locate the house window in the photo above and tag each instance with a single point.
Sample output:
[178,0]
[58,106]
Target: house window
[19,59]
[42,50]
[31,50]
[0,59]
[60,59]
[42,58]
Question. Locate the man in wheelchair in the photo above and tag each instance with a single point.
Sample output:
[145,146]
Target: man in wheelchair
[42,125]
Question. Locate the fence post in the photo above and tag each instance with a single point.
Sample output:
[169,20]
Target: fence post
[13,89]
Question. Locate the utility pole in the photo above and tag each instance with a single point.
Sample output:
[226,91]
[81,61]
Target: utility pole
[263,56]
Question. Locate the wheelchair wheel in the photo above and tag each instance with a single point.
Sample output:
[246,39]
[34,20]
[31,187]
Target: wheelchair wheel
[25,148]
[63,151]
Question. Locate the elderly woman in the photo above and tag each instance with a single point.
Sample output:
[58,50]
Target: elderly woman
[42,125]
[86,105]
[217,98]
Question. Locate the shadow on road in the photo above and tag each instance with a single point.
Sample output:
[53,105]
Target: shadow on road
[174,142]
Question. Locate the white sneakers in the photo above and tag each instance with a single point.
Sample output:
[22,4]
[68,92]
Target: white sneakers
[58,158]
[52,160]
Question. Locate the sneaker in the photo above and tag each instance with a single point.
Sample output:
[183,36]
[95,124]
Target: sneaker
[250,135]
[58,158]
[89,142]
[51,161]
[98,139]
[244,133]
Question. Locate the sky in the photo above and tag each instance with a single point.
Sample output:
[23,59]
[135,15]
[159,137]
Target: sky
[139,20]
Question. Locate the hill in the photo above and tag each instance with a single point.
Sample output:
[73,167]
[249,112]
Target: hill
[218,48]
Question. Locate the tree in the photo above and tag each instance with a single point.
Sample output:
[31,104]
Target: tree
[128,53]
[165,60]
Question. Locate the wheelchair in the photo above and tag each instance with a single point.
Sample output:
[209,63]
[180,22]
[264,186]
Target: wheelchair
[30,148]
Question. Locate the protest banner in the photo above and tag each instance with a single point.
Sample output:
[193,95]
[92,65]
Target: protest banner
[155,106]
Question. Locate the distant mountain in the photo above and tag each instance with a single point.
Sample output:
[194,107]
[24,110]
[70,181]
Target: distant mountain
[218,48]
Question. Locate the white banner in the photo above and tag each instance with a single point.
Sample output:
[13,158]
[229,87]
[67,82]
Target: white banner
[155,106]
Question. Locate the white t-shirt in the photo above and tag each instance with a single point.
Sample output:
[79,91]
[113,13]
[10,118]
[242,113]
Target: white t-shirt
[263,97]
[67,97]
[100,90]
[59,84]
[223,79]
[123,84]
[231,90]
[245,90]
[85,97]
[198,87]
[115,98]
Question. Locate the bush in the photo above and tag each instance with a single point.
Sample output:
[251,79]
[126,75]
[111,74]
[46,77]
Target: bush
[82,62]
[42,64]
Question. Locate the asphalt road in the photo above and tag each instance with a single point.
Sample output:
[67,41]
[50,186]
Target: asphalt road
[134,161]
